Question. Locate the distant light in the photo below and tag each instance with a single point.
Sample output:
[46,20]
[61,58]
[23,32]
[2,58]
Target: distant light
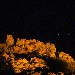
[58,34]
[68,34]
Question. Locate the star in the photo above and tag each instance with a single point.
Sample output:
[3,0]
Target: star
[58,34]
[68,34]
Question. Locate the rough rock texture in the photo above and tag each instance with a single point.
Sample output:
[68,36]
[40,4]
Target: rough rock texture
[32,57]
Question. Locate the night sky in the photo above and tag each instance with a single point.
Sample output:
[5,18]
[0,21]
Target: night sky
[47,21]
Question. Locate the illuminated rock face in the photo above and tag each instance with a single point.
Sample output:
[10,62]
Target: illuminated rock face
[9,40]
[34,52]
